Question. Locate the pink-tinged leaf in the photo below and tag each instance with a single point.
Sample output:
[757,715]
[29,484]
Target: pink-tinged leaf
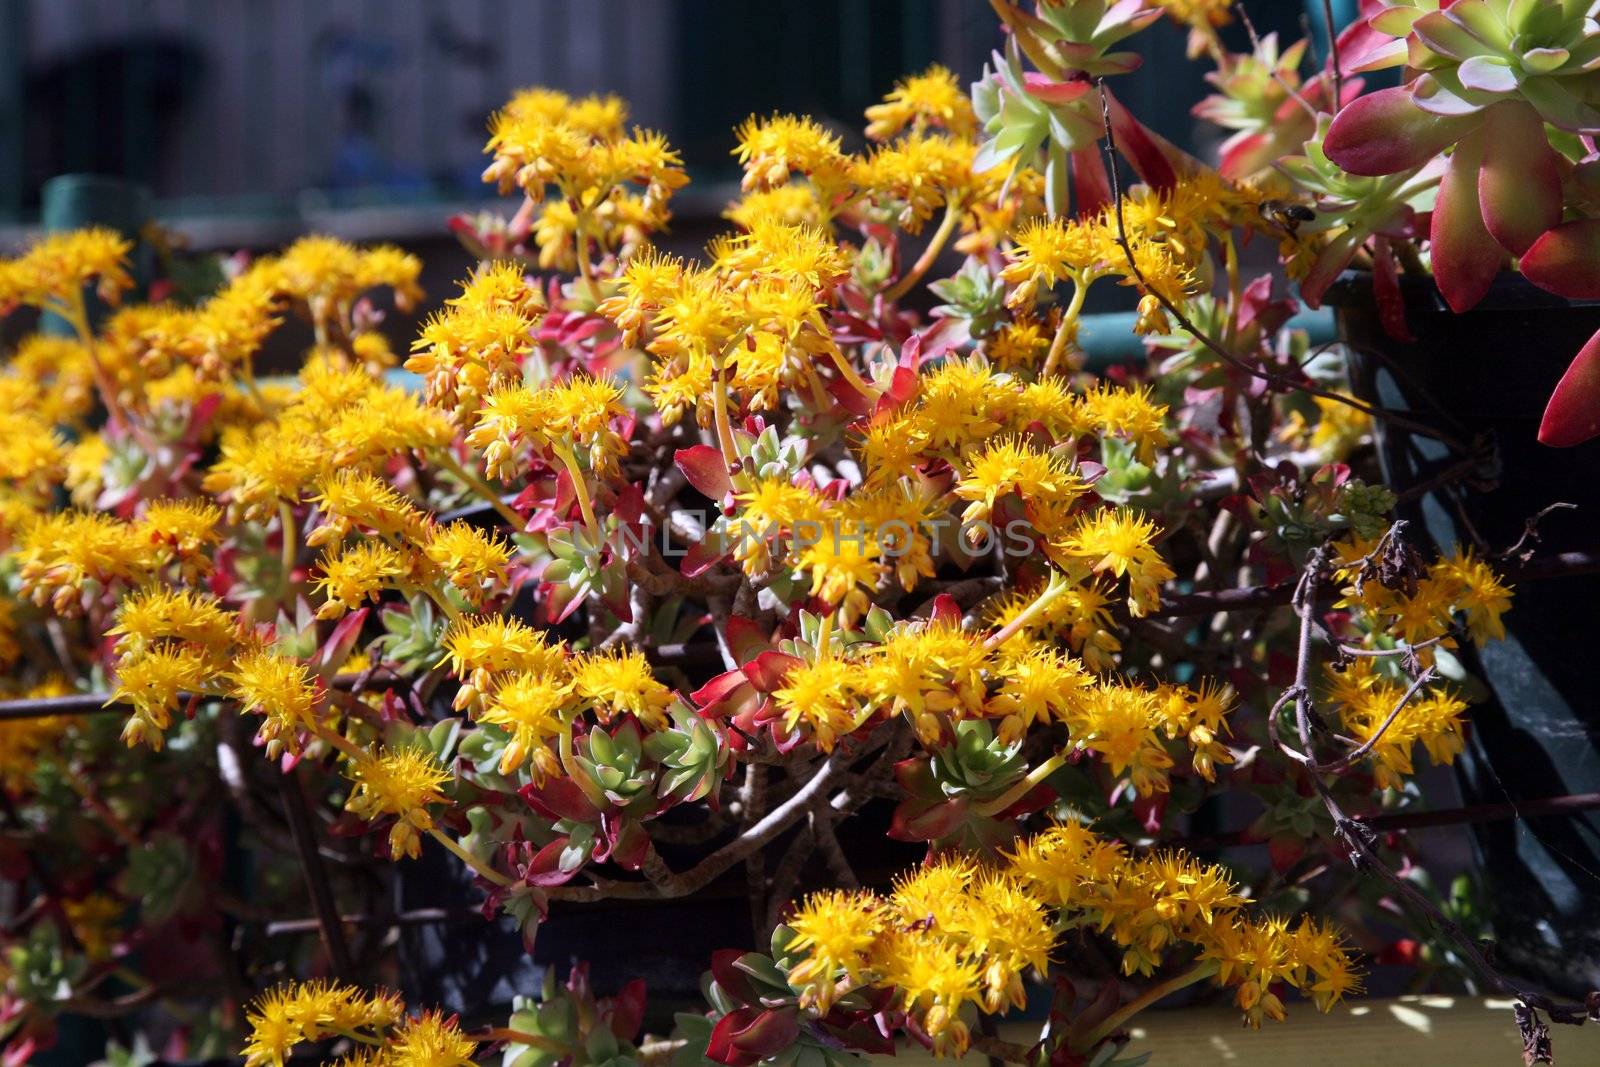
[701,557]
[727,974]
[1041,87]
[746,639]
[918,821]
[721,688]
[746,1036]
[945,610]
[1519,185]
[1466,257]
[1386,132]
[848,397]
[915,778]
[630,845]
[1143,148]
[1386,291]
[768,671]
[545,867]
[1091,185]
[336,649]
[706,470]
[625,1011]
[1364,48]
[559,798]
[1488,75]
[1333,258]
[902,387]
[1566,260]
[1573,414]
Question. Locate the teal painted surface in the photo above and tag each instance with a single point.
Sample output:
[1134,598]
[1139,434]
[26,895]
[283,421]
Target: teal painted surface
[1108,338]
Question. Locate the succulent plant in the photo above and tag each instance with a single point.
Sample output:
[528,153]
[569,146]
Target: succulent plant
[1484,78]
[1261,97]
[1054,110]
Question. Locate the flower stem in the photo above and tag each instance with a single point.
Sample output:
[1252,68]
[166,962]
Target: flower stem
[1024,787]
[482,488]
[569,460]
[1067,329]
[289,550]
[468,858]
[719,413]
[1056,586]
[1115,1021]
[947,226]
[858,383]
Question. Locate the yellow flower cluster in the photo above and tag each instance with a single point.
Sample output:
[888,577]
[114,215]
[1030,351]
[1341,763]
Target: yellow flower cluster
[613,188]
[54,270]
[476,344]
[298,1013]
[948,935]
[513,678]
[937,674]
[955,933]
[67,559]
[399,783]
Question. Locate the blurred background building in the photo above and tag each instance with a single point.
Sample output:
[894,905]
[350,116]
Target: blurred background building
[252,121]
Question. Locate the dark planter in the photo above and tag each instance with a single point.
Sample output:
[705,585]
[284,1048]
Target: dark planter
[1485,375]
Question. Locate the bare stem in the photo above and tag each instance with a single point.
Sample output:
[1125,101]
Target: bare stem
[936,243]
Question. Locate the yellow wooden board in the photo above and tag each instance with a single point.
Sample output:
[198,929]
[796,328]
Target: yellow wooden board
[1423,1031]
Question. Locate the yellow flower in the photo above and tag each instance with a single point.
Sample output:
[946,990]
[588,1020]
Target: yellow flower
[474,561]
[152,681]
[431,1040]
[1011,466]
[69,557]
[1046,253]
[1118,722]
[530,706]
[352,499]
[619,681]
[283,692]
[932,98]
[156,614]
[771,149]
[821,697]
[352,576]
[1483,597]
[837,930]
[935,979]
[56,267]
[401,783]
[480,647]
[1118,541]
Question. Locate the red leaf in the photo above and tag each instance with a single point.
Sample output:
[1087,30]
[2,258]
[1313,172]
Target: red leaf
[915,821]
[1573,414]
[1090,181]
[746,1036]
[725,972]
[1041,87]
[545,867]
[1144,149]
[1566,260]
[701,557]
[626,1013]
[1519,186]
[1386,132]
[336,649]
[559,798]
[1386,291]
[1466,257]
[746,639]
[768,671]
[706,470]
[945,610]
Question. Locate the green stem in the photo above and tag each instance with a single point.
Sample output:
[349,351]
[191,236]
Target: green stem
[1057,585]
[1115,1021]
[569,460]
[289,551]
[1068,327]
[947,226]
[482,488]
[468,858]
[1024,787]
